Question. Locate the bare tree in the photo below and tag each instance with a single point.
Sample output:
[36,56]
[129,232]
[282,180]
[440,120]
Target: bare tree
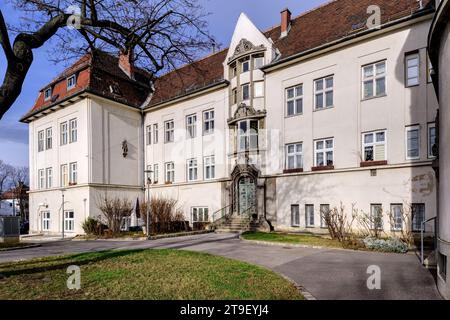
[160,34]
[114,210]
[339,223]
[19,179]
[165,215]
[6,171]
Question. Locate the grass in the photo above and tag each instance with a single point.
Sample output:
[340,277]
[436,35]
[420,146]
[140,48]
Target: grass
[305,239]
[143,274]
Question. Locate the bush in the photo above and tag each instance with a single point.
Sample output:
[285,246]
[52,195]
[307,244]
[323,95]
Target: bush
[94,227]
[386,245]
[114,210]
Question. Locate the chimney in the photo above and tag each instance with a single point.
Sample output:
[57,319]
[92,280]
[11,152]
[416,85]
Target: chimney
[285,22]
[126,62]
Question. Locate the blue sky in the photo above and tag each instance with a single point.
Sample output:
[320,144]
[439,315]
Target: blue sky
[224,14]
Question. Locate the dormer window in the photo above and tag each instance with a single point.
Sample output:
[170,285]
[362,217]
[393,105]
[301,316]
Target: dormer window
[71,82]
[47,94]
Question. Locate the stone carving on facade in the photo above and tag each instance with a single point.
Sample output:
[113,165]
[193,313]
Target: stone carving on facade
[246,112]
[124,148]
[244,46]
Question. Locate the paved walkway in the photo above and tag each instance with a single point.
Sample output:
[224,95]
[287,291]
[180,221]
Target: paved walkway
[325,273]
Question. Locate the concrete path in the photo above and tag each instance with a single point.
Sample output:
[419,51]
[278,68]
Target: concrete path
[325,273]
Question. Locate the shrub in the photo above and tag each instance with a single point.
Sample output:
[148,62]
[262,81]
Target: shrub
[339,224]
[386,245]
[94,227]
[114,210]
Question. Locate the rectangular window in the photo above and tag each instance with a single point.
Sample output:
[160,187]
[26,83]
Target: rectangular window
[258,88]
[442,266]
[45,220]
[248,135]
[324,150]
[71,82]
[245,91]
[200,214]
[210,168]
[431,139]
[155,173]
[191,126]
[41,179]
[309,215]
[208,122]
[245,66]
[258,62]
[73,173]
[64,176]
[324,211]
[169,131]
[41,140]
[155,133]
[47,94]
[295,215]
[323,93]
[374,146]
[69,221]
[63,129]
[430,70]
[149,135]
[73,128]
[234,96]
[376,216]
[374,80]
[294,156]
[413,143]
[49,178]
[294,100]
[170,172]
[48,138]
[397,217]
[192,170]
[418,216]
[412,63]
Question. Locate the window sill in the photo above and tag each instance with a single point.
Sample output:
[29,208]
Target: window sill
[168,182]
[366,164]
[322,109]
[293,170]
[322,168]
[374,97]
[293,115]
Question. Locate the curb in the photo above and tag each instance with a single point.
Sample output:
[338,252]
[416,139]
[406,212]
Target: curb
[305,293]
[292,245]
[19,248]
[181,234]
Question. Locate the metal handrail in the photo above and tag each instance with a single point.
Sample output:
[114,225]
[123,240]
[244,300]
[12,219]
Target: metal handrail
[220,210]
[422,230]
[247,210]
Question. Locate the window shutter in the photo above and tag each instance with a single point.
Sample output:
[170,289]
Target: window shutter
[380,151]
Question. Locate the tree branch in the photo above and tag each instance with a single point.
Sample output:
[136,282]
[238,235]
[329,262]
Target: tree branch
[4,39]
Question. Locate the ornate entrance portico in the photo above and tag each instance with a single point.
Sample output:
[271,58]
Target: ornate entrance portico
[244,190]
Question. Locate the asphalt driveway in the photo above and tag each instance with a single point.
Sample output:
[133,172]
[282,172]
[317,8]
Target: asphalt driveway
[325,273]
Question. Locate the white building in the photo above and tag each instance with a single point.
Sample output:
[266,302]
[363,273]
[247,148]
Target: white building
[282,125]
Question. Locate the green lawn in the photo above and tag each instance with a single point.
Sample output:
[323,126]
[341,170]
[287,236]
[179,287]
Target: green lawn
[143,274]
[305,239]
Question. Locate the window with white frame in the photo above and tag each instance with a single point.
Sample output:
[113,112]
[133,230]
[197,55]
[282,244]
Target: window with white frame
[208,122]
[49,177]
[71,82]
[374,146]
[418,216]
[309,215]
[73,173]
[412,63]
[247,135]
[210,167]
[41,140]
[155,173]
[69,221]
[170,172]
[376,216]
[294,100]
[245,89]
[41,179]
[64,133]
[45,220]
[149,134]
[200,214]
[245,66]
[64,175]
[413,142]
[192,170]
[295,215]
[324,212]
[431,139]
[155,133]
[258,89]
[294,156]
[374,80]
[169,131]
[430,70]
[397,217]
[324,152]
[73,128]
[47,94]
[323,93]
[48,138]
[258,62]
[191,126]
